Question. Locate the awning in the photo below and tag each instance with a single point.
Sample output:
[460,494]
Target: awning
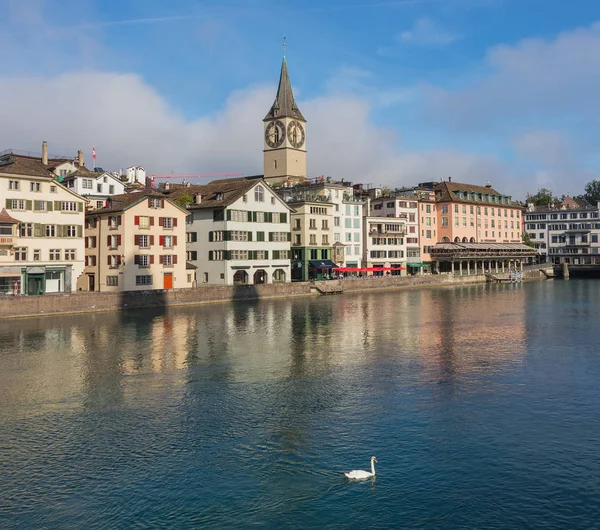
[417,265]
[367,269]
[322,264]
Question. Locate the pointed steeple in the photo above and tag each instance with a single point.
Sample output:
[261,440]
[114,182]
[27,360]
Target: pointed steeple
[284,105]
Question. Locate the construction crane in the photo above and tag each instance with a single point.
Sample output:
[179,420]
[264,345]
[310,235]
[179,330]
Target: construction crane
[191,176]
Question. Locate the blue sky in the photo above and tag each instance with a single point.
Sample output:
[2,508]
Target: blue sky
[395,92]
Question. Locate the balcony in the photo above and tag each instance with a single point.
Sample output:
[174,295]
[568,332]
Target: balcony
[8,241]
[375,233]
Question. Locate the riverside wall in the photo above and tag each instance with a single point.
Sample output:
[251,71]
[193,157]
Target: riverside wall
[87,302]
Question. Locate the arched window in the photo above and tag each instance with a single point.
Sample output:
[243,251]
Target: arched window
[465,240]
[457,239]
[472,240]
[259,194]
[240,277]
[260,276]
[278,275]
[445,240]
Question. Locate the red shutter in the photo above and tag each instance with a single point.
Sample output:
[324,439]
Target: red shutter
[174,259]
[118,260]
[161,221]
[136,220]
[152,221]
[108,240]
[161,241]
[151,240]
[119,239]
[86,261]
[174,222]
[136,260]
[108,259]
[162,203]
[87,242]
[152,260]
[174,240]
[149,202]
[161,259]
[119,220]
[136,239]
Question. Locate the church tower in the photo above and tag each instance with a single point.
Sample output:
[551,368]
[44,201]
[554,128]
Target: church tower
[284,135]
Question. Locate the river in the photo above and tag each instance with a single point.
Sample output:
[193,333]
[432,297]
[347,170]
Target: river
[481,404]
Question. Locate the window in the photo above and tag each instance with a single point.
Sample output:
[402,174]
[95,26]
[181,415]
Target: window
[114,241]
[297,239]
[336,221]
[348,251]
[296,224]
[191,237]
[99,204]
[348,223]
[21,254]
[313,224]
[357,223]
[167,241]
[167,260]
[245,197]
[143,260]
[71,231]
[26,230]
[259,194]
[155,203]
[144,221]
[444,221]
[70,254]
[336,236]
[144,241]
[313,239]
[68,206]
[272,200]
[112,281]
[356,237]
[356,250]
[143,280]
[13,184]
[348,237]
[324,224]
[314,254]
[18,204]
[111,189]
[357,210]
[113,221]
[50,230]
[34,186]
[55,254]
[86,184]
[167,222]
[52,189]
[191,255]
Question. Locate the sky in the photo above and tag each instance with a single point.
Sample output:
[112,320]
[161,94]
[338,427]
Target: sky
[395,92]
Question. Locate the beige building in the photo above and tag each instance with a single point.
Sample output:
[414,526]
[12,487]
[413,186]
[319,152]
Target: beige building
[136,243]
[284,136]
[311,240]
[41,227]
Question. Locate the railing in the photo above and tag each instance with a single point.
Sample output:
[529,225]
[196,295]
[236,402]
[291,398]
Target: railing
[6,240]
[386,232]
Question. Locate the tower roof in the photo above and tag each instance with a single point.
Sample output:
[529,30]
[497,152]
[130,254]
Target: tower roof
[284,105]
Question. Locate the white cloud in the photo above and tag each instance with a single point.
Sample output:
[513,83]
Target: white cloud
[427,32]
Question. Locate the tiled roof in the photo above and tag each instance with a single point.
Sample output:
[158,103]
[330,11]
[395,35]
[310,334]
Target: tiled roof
[231,190]
[284,104]
[6,218]
[118,203]
[24,165]
[446,192]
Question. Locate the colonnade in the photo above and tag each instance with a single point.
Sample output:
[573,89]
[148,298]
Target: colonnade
[481,266]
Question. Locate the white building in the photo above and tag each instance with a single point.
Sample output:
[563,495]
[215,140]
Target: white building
[136,174]
[97,187]
[385,245]
[41,227]
[238,232]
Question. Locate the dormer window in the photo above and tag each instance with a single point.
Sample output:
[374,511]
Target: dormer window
[219,196]
[259,194]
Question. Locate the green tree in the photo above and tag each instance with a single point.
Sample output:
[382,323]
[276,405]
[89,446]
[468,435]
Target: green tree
[592,192]
[543,197]
[527,240]
[184,199]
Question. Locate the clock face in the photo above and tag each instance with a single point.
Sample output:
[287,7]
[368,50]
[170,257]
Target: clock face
[275,133]
[295,134]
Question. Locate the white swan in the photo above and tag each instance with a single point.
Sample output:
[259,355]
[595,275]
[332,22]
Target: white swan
[359,474]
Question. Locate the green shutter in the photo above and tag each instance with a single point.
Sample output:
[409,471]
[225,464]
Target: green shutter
[269,217]
[80,207]
[270,236]
[254,217]
[229,215]
[227,254]
[37,230]
[249,236]
[43,227]
[276,254]
[266,254]
[28,205]
[49,206]
[283,217]
[289,236]
[36,206]
[211,236]
[226,235]
[79,231]
[9,204]
[57,205]
[210,255]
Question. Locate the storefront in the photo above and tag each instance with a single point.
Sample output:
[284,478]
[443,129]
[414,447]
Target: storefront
[10,280]
[321,269]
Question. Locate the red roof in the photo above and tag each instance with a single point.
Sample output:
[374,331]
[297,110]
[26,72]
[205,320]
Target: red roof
[5,218]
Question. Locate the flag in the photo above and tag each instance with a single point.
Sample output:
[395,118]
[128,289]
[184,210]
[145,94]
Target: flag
[94,153]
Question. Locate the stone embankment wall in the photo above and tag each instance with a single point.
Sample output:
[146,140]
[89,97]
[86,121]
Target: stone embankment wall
[82,302]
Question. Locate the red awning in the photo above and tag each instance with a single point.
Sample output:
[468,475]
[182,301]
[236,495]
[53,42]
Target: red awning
[368,269]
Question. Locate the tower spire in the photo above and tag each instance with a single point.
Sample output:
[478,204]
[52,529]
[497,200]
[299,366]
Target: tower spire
[284,105]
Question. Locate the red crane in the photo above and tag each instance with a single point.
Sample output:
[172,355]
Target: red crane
[191,176]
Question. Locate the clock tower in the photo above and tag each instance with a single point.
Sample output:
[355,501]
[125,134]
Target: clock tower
[284,135]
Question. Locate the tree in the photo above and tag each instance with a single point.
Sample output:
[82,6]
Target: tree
[592,192]
[527,240]
[543,197]
[184,199]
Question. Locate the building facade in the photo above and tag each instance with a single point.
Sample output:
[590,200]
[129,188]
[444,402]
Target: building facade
[238,232]
[311,240]
[41,234]
[385,244]
[137,243]
[95,186]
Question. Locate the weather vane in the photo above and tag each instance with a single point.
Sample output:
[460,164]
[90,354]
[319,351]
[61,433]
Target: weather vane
[284,46]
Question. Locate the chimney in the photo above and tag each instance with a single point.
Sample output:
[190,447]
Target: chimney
[80,158]
[198,198]
[45,153]
[449,179]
